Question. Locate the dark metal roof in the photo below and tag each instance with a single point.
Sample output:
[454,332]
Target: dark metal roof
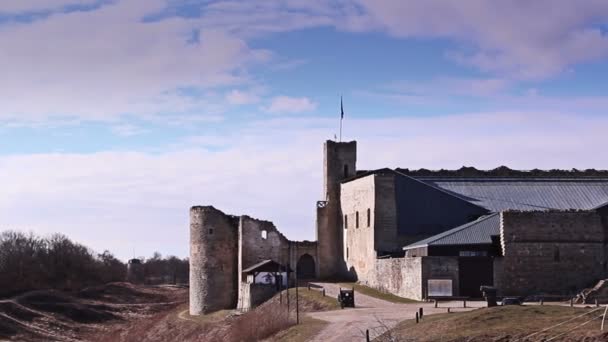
[265,266]
[473,233]
[500,194]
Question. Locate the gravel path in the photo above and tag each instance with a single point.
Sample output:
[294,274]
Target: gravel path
[374,314]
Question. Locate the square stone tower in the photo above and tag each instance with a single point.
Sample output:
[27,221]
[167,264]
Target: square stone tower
[339,163]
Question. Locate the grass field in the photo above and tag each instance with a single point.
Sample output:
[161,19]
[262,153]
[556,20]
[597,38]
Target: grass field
[508,323]
[377,294]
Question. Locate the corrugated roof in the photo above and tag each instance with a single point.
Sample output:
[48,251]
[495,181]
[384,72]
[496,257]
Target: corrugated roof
[527,194]
[472,233]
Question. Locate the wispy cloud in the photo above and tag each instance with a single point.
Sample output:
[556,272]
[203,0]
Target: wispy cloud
[286,104]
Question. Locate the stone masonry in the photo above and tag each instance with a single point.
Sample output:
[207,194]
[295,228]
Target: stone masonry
[554,252]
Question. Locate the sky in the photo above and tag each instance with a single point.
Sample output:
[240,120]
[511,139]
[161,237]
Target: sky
[117,116]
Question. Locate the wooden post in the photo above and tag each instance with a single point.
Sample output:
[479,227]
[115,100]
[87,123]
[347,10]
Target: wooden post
[464,303]
[597,303]
[435,302]
[448,310]
[542,301]
[571,302]
[367,335]
[323,292]
[417,318]
[297,302]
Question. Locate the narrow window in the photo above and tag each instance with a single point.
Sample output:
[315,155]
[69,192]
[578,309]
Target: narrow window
[369,217]
[345,222]
[345,171]
[264,234]
[556,254]
[347,252]
[210,231]
[357,219]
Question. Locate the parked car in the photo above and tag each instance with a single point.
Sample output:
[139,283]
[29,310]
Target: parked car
[511,301]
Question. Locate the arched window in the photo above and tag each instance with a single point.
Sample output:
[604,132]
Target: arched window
[264,234]
[357,219]
[369,217]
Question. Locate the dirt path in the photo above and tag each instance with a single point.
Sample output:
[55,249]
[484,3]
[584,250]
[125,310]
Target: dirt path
[374,314]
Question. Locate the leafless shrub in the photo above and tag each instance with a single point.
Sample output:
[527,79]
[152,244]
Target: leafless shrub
[382,332]
[260,323]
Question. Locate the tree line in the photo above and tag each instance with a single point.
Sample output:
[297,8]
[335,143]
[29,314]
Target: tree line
[30,262]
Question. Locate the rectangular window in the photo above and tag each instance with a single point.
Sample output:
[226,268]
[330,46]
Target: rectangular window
[357,219]
[369,217]
[345,222]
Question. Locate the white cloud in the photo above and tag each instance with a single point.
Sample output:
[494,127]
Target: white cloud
[128,130]
[20,6]
[525,40]
[239,97]
[118,200]
[101,71]
[286,104]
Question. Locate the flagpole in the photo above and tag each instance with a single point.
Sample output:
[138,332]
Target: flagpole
[341,117]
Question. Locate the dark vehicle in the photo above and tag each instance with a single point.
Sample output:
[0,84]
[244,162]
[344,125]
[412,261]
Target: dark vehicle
[346,298]
[489,293]
[511,301]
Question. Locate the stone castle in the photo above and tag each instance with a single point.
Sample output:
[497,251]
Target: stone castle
[415,233]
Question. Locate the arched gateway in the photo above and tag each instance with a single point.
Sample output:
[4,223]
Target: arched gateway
[306,267]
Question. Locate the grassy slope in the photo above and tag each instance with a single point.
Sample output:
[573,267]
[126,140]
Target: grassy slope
[376,294]
[501,324]
[310,300]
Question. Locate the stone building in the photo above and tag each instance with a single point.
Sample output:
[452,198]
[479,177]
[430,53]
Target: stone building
[418,233]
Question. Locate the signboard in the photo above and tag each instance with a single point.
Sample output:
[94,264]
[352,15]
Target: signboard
[439,287]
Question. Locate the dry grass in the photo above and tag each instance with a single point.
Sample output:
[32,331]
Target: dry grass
[509,323]
[260,323]
[376,293]
[305,331]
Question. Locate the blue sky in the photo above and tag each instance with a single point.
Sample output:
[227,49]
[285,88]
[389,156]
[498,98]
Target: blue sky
[117,116]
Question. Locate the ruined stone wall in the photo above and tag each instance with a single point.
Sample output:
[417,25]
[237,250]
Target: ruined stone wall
[551,252]
[213,260]
[359,251]
[253,247]
[399,276]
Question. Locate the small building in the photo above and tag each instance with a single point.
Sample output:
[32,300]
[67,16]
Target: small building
[262,281]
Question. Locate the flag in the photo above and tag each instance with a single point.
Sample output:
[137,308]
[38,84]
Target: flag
[341,109]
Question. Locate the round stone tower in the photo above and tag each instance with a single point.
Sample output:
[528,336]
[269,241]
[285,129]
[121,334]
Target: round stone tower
[213,260]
